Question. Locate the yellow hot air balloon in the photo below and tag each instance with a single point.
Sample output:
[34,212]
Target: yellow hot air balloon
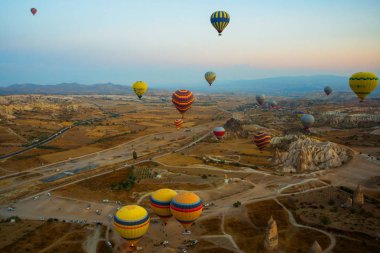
[131,222]
[210,77]
[363,83]
[140,88]
[160,203]
[186,207]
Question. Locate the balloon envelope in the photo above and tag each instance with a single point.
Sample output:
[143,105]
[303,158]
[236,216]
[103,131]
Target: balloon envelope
[307,121]
[186,207]
[219,132]
[260,99]
[160,202]
[131,222]
[182,100]
[363,83]
[262,139]
[220,20]
[33,11]
[140,88]
[210,77]
[328,90]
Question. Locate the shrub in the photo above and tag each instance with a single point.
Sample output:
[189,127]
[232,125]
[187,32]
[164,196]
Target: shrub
[325,220]
[204,176]
[237,204]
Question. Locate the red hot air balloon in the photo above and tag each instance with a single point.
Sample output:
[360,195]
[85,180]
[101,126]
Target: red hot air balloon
[219,132]
[33,11]
[261,140]
[182,100]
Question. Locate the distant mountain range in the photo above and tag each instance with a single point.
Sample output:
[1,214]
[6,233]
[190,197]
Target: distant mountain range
[285,86]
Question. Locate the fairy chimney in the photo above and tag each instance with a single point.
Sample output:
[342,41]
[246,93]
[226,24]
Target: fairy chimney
[271,235]
[315,248]
[358,199]
[348,202]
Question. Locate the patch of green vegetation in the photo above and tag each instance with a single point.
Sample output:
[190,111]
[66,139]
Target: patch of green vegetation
[50,147]
[325,220]
[127,184]
[237,204]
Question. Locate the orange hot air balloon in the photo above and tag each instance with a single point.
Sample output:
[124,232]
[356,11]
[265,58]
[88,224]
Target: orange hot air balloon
[186,207]
[178,123]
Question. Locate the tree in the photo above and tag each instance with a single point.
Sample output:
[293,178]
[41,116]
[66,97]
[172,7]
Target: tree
[237,204]
[134,155]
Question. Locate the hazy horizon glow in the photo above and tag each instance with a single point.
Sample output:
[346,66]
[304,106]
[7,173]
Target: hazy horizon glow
[166,41]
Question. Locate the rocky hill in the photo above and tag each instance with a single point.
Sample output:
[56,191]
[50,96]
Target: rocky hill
[345,120]
[234,129]
[300,153]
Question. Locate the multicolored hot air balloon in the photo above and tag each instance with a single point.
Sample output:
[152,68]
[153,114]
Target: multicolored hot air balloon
[182,100]
[328,90]
[33,11]
[363,83]
[273,104]
[261,139]
[140,88]
[186,207]
[298,114]
[307,121]
[210,77]
[160,203]
[219,132]
[131,222]
[260,99]
[178,123]
[220,20]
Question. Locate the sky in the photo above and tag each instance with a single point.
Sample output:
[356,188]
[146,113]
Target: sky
[172,41]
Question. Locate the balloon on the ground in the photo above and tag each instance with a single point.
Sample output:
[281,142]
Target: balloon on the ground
[219,132]
[262,139]
[210,77]
[220,20]
[307,121]
[182,100]
[131,222]
[328,90]
[33,11]
[178,123]
[260,99]
[140,88]
[160,203]
[363,83]
[186,207]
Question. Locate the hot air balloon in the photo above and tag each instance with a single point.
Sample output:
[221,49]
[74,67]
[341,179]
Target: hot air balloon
[33,11]
[160,203]
[131,222]
[307,121]
[328,90]
[140,88]
[182,100]
[273,104]
[186,207]
[363,83]
[178,123]
[261,139]
[298,114]
[260,99]
[219,132]
[210,77]
[220,20]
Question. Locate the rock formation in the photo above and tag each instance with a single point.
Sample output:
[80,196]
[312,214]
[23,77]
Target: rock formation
[315,248]
[302,153]
[345,120]
[271,235]
[348,203]
[234,129]
[358,199]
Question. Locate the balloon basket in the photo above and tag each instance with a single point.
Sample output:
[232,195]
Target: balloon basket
[186,232]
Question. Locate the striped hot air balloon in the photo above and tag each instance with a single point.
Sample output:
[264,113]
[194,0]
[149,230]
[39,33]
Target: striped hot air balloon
[186,207]
[178,123]
[182,100]
[220,20]
[219,132]
[261,139]
[363,83]
[131,222]
[160,203]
